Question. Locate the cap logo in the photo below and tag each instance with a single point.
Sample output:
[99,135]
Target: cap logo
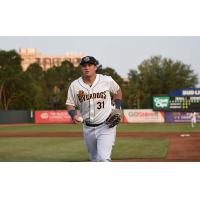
[86,59]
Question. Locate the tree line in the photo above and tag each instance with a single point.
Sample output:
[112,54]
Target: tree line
[36,89]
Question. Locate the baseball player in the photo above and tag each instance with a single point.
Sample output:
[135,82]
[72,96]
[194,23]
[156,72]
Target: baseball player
[91,93]
[193,118]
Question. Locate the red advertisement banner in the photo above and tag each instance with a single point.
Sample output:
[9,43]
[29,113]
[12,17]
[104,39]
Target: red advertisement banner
[52,117]
[143,116]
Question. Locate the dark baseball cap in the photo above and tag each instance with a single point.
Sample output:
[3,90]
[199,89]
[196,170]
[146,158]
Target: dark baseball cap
[88,60]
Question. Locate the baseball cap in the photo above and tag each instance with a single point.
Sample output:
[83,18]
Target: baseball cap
[88,60]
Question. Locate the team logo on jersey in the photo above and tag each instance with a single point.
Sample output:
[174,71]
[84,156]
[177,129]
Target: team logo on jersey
[81,94]
[85,97]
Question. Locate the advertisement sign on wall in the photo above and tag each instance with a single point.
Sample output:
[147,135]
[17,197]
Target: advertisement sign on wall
[52,116]
[185,92]
[143,116]
[161,102]
[173,117]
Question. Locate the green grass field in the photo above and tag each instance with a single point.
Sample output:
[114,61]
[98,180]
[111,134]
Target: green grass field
[121,128]
[73,149]
[63,149]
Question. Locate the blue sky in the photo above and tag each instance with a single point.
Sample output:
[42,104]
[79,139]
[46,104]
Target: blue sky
[119,52]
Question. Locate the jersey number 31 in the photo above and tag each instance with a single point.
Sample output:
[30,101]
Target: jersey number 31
[100,105]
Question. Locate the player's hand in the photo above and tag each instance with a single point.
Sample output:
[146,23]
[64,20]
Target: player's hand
[114,118]
[78,119]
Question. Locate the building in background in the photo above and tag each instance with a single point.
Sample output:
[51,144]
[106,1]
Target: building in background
[31,55]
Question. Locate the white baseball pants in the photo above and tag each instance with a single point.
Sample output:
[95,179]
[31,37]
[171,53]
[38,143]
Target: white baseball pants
[99,141]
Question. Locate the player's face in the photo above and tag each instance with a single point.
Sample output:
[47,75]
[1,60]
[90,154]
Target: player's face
[89,70]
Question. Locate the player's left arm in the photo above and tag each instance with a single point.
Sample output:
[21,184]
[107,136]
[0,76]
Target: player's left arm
[116,114]
[118,98]
[117,92]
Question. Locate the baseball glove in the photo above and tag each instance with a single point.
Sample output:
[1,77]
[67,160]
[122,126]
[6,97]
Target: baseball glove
[114,118]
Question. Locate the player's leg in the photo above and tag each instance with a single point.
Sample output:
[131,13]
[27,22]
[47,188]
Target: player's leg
[91,142]
[195,121]
[105,142]
[192,123]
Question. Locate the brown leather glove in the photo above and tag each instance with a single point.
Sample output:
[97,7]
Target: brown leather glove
[114,118]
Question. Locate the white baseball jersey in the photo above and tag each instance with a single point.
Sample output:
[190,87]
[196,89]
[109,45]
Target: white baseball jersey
[94,101]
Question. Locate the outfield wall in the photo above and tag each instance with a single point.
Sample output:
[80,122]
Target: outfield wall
[16,116]
[62,116]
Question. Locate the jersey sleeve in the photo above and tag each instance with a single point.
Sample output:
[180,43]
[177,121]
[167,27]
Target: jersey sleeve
[114,87]
[71,96]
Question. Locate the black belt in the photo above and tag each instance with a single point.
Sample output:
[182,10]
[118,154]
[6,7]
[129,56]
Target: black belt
[93,125]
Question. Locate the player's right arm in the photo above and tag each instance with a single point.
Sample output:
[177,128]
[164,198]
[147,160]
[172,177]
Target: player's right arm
[73,113]
[71,103]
